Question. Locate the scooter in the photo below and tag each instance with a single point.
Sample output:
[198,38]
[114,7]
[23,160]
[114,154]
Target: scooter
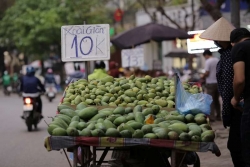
[51,91]
[30,114]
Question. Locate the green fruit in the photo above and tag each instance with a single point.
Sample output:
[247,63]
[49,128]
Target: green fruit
[130,116]
[85,132]
[196,138]
[128,110]
[130,93]
[178,127]
[112,132]
[125,86]
[189,118]
[65,118]
[81,125]
[139,117]
[150,136]
[142,102]
[74,124]
[119,110]
[72,131]
[59,132]
[184,136]
[91,126]
[172,135]
[138,134]
[135,125]
[97,133]
[137,108]
[162,134]
[156,109]
[98,116]
[147,129]
[161,103]
[126,134]
[208,136]
[60,122]
[100,126]
[105,99]
[107,79]
[112,117]
[158,120]
[88,113]
[81,106]
[75,118]
[108,124]
[51,127]
[68,112]
[118,121]
[200,120]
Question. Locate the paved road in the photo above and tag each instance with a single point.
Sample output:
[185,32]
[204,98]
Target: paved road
[19,148]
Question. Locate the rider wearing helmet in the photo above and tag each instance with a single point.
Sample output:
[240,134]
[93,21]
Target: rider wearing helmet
[31,86]
[49,77]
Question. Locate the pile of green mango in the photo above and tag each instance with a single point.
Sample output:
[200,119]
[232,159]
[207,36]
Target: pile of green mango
[123,92]
[193,89]
[127,122]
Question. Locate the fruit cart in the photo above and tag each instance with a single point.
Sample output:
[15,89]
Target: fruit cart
[127,114]
[89,145]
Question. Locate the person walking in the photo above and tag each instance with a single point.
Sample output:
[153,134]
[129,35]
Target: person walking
[211,84]
[219,32]
[240,39]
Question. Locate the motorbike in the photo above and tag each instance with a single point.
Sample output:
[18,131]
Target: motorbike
[7,90]
[30,114]
[50,91]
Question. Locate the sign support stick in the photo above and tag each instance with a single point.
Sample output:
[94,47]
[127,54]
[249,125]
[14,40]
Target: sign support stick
[87,63]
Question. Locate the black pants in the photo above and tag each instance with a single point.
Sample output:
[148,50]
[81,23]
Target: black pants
[234,139]
[245,132]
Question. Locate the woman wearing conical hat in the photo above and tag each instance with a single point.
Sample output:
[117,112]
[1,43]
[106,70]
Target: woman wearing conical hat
[219,32]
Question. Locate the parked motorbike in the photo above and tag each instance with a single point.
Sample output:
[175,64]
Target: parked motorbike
[30,114]
[50,91]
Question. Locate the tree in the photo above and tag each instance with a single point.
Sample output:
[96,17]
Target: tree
[158,6]
[34,26]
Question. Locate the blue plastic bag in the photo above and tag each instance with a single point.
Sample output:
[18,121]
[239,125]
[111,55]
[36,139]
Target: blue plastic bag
[187,103]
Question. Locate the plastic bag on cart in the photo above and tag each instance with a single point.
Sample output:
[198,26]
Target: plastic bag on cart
[191,103]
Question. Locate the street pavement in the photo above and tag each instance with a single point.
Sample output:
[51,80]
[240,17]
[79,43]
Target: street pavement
[20,148]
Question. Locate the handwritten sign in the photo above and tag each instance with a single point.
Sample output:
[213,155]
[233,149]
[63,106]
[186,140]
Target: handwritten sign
[85,42]
[133,57]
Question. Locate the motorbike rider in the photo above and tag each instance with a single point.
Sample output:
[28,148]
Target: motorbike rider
[6,80]
[31,86]
[49,77]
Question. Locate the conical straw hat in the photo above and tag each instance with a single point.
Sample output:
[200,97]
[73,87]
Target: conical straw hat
[218,31]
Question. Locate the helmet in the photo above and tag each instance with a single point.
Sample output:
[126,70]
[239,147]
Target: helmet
[50,71]
[30,70]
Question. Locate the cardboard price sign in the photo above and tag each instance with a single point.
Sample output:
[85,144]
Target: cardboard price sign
[85,42]
[133,57]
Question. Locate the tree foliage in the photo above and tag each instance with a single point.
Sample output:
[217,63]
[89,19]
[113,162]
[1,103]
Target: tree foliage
[34,26]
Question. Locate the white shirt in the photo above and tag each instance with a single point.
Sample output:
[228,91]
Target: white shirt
[210,66]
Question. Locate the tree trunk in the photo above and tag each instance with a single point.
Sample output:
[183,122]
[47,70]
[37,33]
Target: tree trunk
[213,10]
[235,12]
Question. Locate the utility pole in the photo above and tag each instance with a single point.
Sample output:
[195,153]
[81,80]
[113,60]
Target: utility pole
[235,12]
